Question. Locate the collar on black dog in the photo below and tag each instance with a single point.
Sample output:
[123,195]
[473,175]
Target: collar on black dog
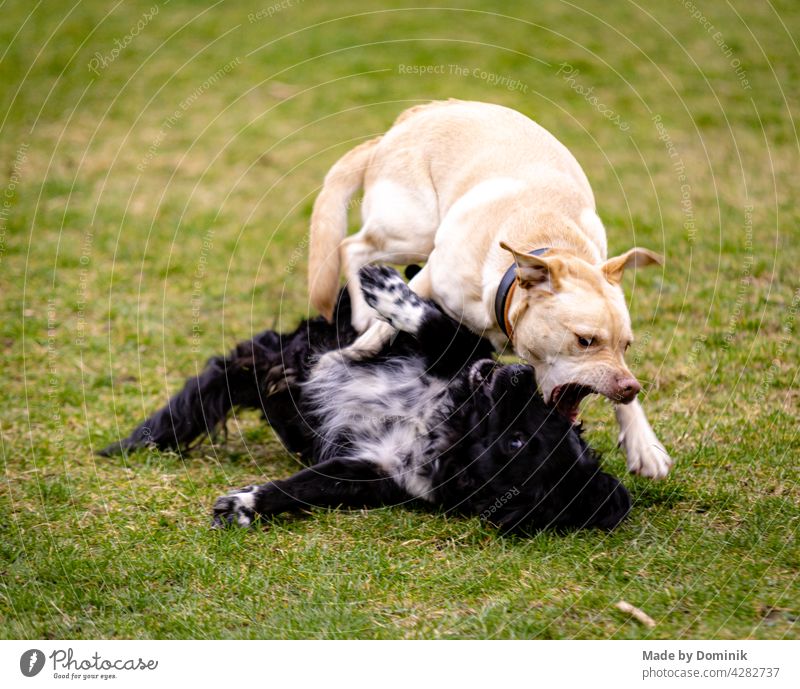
[502,300]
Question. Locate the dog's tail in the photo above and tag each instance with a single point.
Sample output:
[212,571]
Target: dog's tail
[243,379]
[329,225]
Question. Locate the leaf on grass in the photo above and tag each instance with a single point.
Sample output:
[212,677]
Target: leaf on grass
[636,613]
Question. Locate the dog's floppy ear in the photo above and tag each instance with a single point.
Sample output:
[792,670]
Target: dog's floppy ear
[637,257]
[535,272]
[481,372]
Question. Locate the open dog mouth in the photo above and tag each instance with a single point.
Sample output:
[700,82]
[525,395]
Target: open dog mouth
[567,399]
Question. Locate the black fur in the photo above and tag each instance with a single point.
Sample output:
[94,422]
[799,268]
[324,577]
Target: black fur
[494,449]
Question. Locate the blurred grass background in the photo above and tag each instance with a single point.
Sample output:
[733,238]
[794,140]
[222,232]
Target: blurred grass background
[159,163]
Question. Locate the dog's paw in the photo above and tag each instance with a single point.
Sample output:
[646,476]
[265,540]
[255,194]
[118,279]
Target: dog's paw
[645,454]
[235,509]
[392,299]
[279,379]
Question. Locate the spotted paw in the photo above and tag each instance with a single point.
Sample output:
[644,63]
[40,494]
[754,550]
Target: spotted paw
[235,508]
[392,299]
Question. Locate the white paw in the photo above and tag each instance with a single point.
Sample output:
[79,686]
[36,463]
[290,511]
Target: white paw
[646,455]
[236,508]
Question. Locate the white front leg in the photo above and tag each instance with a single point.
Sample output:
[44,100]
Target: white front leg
[646,455]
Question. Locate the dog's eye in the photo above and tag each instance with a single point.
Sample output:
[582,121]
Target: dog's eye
[515,443]
[585,341]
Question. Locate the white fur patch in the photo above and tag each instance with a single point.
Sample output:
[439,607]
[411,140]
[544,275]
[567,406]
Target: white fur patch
[386,414]
[246,499]
[237,507]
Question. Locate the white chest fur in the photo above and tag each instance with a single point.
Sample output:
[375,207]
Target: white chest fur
[389,415]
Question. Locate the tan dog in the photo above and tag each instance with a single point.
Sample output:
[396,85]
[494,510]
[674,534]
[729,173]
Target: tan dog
[472,188]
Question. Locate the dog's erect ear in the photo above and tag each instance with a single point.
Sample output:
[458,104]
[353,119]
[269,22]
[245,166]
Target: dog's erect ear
[614,268]
[536,272]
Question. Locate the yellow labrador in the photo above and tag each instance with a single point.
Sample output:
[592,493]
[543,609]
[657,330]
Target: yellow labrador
[505,218]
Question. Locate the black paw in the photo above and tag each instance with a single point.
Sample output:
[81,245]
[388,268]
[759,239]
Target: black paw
[279,379]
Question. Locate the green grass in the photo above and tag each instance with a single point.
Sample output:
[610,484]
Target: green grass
[134,246]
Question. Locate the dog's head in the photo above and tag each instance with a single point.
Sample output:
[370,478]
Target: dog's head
[571,323]
[526,467]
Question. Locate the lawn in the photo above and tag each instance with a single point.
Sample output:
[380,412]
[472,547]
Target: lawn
[159,163]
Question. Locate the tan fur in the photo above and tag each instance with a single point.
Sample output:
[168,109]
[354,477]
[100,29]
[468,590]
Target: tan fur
[329,224]
[633,258]
[470,187]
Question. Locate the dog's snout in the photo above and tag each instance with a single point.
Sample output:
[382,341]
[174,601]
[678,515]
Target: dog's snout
[626,389]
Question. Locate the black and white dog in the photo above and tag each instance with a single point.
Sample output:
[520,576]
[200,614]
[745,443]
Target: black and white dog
[430,419]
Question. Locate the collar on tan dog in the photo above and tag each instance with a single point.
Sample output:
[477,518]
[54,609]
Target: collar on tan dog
[505,291]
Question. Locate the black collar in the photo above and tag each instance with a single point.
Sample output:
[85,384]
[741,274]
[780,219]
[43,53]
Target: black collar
[503,290]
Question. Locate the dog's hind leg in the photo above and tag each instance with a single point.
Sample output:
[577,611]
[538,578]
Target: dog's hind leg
[242,379]
[645,454]
[398,227]
[357,251]
[345,483]
[362,249]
